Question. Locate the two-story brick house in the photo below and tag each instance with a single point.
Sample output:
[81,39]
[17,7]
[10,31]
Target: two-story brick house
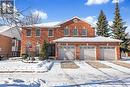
[72,39]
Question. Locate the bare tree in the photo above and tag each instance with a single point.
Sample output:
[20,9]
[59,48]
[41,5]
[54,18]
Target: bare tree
[31,19]
[10,16]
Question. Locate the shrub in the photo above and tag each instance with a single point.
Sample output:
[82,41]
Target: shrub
[44,53]
[24,56]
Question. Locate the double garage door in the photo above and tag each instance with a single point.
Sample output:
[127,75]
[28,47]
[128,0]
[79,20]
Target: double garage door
[67,52]
[86,52]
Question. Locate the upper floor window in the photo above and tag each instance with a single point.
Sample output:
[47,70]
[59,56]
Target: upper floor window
[50,32]
[28,32]
[84,32]
[75,32]
[38,32]
[66,32]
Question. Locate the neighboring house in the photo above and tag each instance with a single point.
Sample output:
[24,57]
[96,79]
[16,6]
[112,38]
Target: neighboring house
[72,39]
[9,41]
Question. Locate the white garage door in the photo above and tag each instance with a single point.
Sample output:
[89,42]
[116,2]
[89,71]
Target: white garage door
[87,52]
[67,52]
[107,53]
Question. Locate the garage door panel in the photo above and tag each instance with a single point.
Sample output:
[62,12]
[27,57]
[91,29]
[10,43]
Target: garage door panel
[87,53]
[67,52]
[107,53]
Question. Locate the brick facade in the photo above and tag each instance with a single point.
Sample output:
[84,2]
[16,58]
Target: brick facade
[58,32]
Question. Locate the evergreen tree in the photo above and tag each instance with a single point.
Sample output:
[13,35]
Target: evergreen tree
[118,29]
[44,53]
[102,25]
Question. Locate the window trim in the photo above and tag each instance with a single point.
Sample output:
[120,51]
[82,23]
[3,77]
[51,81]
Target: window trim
[68,32]
[30,33]
[77,32]
[86,32]
[52,33]
[36,32]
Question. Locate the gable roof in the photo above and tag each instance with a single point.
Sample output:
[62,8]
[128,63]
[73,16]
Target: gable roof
[86,39]
[4,28]
[75,17]
[10,32]
[56,24]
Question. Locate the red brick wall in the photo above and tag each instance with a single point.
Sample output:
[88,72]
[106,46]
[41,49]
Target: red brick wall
[58,33]
[5,45]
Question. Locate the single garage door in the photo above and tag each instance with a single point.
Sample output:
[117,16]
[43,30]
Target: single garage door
[67,52]
[87,52]
[107,53]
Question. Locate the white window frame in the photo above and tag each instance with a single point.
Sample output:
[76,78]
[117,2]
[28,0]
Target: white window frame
[30,34]
[68,32]
[82,33]
[77,32]
[52,33]
[36,31]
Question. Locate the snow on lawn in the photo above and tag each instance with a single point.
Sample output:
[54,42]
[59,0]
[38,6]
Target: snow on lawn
[12,65]
[85,76]
[12,82]
[117,67]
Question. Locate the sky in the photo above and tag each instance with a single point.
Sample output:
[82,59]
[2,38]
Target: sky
[61,10]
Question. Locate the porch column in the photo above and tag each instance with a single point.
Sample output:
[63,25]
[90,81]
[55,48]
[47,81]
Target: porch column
[97,53]
[118,54]
[77,52]
[56,51]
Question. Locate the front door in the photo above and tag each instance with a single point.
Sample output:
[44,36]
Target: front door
[51,50]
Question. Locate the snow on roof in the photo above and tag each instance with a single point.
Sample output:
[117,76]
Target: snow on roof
[86,39]
[4,28]
[56,24]
[49,24]
[10,32]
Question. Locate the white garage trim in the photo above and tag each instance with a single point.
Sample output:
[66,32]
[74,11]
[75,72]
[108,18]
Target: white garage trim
[108,53]
[88,52]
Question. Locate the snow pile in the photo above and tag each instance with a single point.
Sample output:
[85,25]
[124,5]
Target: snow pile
[45,65]
[22,83]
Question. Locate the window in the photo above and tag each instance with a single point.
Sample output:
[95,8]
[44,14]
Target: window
[50,33]
[38,32]
[28,32]
[84,32]
[66,32]
[75,32]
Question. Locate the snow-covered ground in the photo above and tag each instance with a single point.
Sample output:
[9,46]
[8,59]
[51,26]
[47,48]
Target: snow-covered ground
[85,76]
[19,66]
